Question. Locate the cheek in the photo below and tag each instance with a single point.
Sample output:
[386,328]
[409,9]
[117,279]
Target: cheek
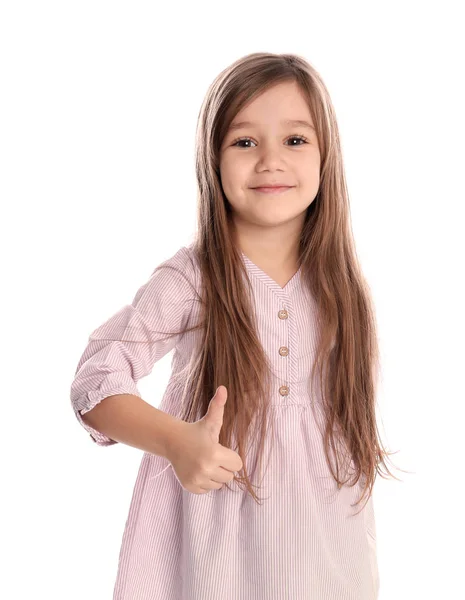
[225,171]
[228,183]
[233,178]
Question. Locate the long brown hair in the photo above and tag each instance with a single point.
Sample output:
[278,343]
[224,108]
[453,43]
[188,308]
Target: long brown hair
[229,352]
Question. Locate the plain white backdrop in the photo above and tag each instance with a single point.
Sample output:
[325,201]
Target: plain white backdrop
[99,104]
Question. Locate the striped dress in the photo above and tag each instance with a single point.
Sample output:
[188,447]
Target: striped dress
[303,542]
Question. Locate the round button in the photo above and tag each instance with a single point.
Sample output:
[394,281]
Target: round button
[283,314]
[284,351]
[284,390]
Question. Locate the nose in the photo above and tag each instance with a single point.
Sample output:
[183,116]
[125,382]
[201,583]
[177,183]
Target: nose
[270,157]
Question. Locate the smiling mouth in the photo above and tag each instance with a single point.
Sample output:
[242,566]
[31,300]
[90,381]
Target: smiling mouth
[272,190]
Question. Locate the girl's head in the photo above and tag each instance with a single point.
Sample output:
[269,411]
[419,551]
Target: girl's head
[271,140]
[267,119]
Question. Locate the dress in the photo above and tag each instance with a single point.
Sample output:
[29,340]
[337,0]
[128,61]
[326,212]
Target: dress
[303,542]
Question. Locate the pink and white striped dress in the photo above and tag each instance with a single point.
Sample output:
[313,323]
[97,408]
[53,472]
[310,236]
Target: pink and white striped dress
[303,542]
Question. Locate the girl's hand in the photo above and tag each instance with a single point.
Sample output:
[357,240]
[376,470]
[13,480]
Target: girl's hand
[200,463]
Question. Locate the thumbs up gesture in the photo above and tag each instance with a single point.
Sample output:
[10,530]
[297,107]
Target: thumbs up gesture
[201,463]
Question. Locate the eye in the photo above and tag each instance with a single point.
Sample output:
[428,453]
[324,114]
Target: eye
[296,137]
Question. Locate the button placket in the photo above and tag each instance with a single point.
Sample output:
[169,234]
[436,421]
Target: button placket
[283,351]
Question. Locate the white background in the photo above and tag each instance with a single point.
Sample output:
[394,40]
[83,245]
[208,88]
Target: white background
[99,104]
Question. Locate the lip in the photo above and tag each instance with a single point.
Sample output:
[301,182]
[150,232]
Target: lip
[273,189]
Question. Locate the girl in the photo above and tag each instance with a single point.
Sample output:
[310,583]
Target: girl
[269,296]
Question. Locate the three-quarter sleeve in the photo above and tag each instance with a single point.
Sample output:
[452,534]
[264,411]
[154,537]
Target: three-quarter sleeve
[109,366]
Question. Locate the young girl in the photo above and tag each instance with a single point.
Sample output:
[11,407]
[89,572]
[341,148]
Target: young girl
[269,309]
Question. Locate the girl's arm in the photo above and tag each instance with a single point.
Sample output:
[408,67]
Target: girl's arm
[129,419]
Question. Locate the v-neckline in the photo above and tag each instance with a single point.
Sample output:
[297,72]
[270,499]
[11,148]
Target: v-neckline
[269,281]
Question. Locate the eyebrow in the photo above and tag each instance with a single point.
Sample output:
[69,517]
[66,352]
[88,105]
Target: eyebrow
[292,122]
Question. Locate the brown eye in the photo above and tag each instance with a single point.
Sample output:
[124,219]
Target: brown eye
[299,137]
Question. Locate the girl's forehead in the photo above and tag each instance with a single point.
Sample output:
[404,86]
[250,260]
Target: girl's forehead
[284,107]
[305,123]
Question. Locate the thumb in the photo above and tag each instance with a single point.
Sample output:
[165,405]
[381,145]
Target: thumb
[215,412]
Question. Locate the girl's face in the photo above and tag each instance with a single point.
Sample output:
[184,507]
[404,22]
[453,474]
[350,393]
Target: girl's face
[271,151]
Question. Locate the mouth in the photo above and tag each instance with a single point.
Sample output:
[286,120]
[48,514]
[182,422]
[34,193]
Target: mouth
[272,189]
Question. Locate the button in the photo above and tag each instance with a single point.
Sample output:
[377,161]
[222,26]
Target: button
[284,351]
[283,314]
[284,390]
